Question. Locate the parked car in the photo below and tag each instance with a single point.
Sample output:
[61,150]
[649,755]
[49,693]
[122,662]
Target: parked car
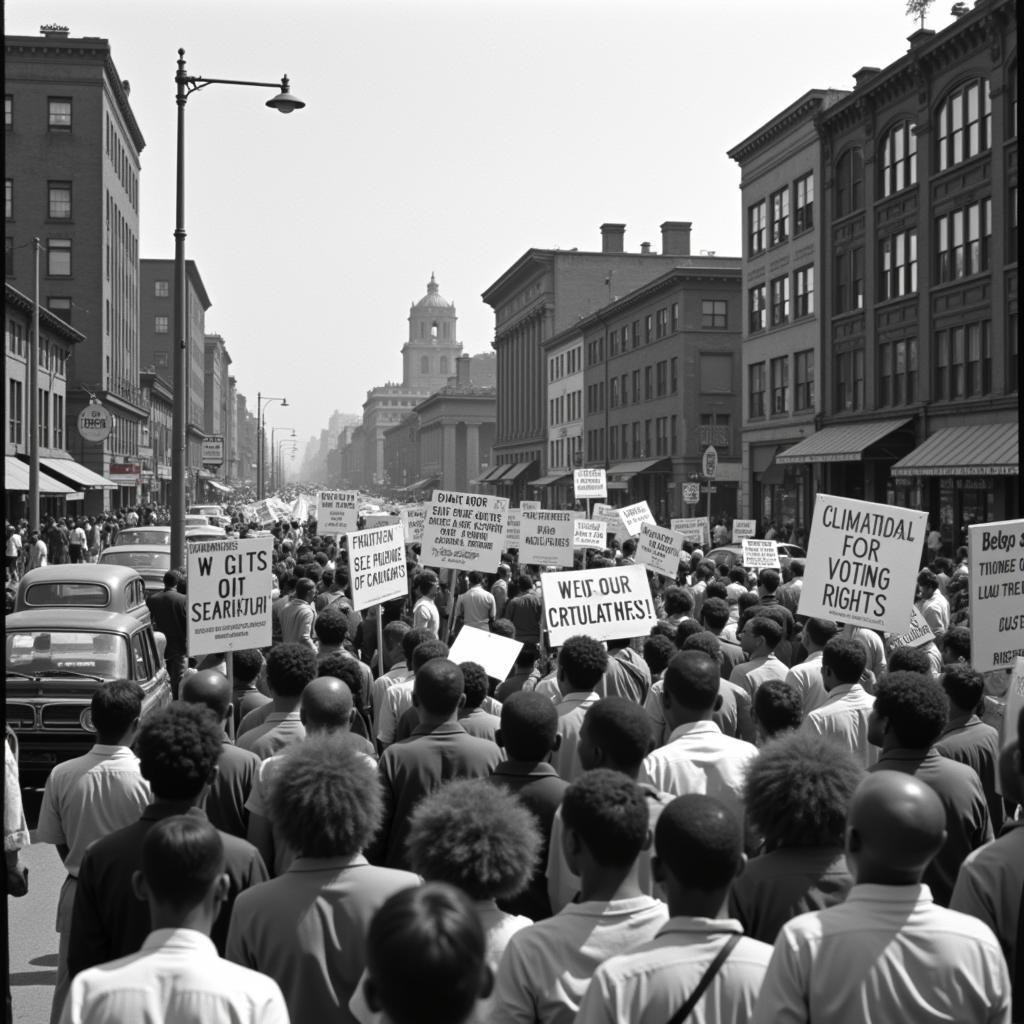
[54,660]
[161,535]
[206,510]
[732,554]
[150,561]
[114,588]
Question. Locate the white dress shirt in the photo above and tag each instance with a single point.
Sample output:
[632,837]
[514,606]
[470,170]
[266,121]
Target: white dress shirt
[844,717]
[806,677]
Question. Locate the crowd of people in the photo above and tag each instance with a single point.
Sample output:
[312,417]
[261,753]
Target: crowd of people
[747,815]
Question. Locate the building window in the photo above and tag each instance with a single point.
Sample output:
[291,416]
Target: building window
[15,338]
[59,114]
[850,280]
[636,334]
[60,305]
[757,389]
[8,112]
[161,289]
[756,226]
[714,313]
[648,383]
[58,257]
[715,430]
[636,386]
[964,124]
[675,319]
[8,256]
[648,328]
[898,265]
[897,372]
[780,300]
[674,375]
[160,325]
[850,182]
[963,240]
[803,292]
[849,376]
[803,389]
[803,203]
[424,364]
[624,389]
[899,159]
[58,421]
[662,322]
[780,216]
[757,308]
[613,392]
[15,411]
[661,378]
[779,369]
[661,436]
[1012,352]
[963,361]
[59,200]
[8,198]
[44,418]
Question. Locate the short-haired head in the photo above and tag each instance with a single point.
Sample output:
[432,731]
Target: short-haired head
[529,724]
[692,679]
[412,639]
[658,651]
[394,633]
[769,579]
[171,579]
[915,707]
[779,708]
[678,601]
[439,686]
[699,841]
[305,588]
[706,642]
[846,657]
[326,704]
[208,687]
[178,748]
[475,683]
[247,664]
[767,628]
[504,627]
[331,626]
[964,687]
[289,668]
[909,659]
[686,629]
[114,707]
[425,582]
[582,661]
[616,733]
[428,650]
[927,580]
[956,644]
[182,857]
[820,631]
[714,613]
[339,665]
[608,813]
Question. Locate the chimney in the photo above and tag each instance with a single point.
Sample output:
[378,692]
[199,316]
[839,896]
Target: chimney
[645,248]
[675,237]
[462,370]
[921,36]
[864,76]
[613,238]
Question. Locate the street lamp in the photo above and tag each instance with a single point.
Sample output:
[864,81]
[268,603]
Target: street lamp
[274,481]
[261,456]
[280,457]
[187,84]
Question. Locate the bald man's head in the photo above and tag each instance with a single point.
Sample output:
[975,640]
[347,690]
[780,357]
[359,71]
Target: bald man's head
[208,687]
[326,705]
[895,826]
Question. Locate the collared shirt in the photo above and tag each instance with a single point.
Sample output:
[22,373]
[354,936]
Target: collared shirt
[225,800]
[477,607]
[733,716]
[627,675]
[545,971]
[380,686]
[176,977]
[751,674]
[297,618]
[571,712]
[700,758]
[90,797]
[307,930]
[525,612]
[977,744]
[935,610]
[967,821]
[254,718]
[649,984]
[397,701]
[914,961]
[16,836]
[478,722]
[806,677]
[844,718]
[426,616]
[279,730]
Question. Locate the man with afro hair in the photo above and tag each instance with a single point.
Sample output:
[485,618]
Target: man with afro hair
[178,748]
[908,718]
[307,928]
[582,662]
[289,668]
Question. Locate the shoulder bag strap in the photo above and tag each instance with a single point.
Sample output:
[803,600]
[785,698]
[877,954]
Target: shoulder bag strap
[714,967]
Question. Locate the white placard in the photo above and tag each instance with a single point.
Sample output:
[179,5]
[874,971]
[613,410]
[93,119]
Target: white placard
[264,513]
[606,604]
[546,537]
[589,482]
[919,634]
[229,584]
[590,533]
[659,550]
[760,554]
[465,531]
[996,564]
[377,571]
[862,562]
[497,654]
[213,450]
[372,519]
[633,517]
[413,517]
[336,512]
[513,529]
[695,530]
[532,505]
[742,528]
[1014,701]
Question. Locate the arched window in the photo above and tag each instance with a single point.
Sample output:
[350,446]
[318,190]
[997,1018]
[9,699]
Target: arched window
[444,364]
[425,364]
[899,159]
[850,182]
[446,330]
[433,330]
[963,124]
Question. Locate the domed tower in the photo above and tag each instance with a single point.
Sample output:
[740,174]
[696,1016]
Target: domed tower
[428,357]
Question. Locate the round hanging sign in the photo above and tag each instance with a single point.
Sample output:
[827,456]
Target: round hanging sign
[95,423]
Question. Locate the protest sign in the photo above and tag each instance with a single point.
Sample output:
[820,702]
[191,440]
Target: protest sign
[589,482]
[229,584]
[377,571]
[659,550]
[760,554]
[602,603]
[862,562]
[372,519]
[743,528]
[413,517]
[996,564]
[590,533]
[546,537]
[336,512]
[497,654]
[694,530]
[634,516]
[263,513]
[465,531]
[513,529]
[534,505]
[1014,701]
[917,635]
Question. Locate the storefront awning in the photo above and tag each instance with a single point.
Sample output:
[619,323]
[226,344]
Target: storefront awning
[839,444]
[627,470]
[989,449]
[218,486]
[492,474]
[203,474]
[516,471]
[419,485]
[72,472]
[551,478]
[16,479]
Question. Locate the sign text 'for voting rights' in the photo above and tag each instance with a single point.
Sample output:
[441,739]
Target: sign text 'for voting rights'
[606,604]
[465,531]
[229,583]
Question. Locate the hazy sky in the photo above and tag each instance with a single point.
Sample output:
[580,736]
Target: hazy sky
[443,136]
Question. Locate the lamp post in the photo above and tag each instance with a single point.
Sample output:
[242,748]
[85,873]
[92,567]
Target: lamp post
[187,84]
[280,457]
[261,455]
[274,481]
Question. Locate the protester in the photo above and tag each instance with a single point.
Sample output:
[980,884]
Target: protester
[425,613]
[248,668]
[526,611]
[472,717]
[931,602]
[714,616]
[394,665]
[298,616]
[582,663]
[759,636]
[777,709]
[420,647]
[523,672]
[806,674]
[626,674]
[475,607]
[290,666]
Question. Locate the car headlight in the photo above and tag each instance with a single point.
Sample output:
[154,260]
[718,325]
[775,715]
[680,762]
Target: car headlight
[85,720]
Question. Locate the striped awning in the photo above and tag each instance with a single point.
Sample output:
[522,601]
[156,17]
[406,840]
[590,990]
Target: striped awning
[839,444]
[74,473]
[16,479]
[989,449]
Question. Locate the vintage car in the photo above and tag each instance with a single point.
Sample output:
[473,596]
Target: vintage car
[54,660]
[150,561]
[732,554]
[206,510]
[161,535]
[113,588]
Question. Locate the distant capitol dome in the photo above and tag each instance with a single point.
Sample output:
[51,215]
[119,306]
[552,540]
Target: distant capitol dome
[433,299]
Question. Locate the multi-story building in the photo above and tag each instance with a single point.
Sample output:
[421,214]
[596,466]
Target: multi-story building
[545,292]
[661,381]
[216,390]
[921,372]
[245,424]
[72,180]
[231,433]
[155,452]
[780,168]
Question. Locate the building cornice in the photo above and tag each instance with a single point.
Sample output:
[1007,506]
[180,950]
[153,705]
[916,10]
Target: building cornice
[803,110]
[53,323]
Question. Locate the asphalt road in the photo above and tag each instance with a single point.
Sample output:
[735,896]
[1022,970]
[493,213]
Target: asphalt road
[30,923]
